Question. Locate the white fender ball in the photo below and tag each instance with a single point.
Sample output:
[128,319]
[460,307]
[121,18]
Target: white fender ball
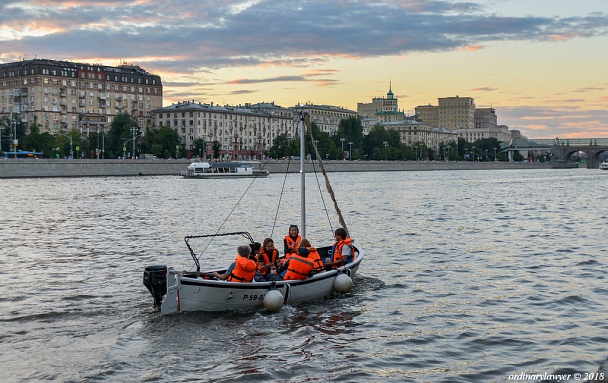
[273,300]
[343,283]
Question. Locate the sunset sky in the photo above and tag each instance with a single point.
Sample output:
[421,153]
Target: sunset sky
[542,64]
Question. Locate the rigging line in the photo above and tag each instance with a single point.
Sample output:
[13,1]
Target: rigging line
[327,184]
[229,214]
[280,198]
[314,145]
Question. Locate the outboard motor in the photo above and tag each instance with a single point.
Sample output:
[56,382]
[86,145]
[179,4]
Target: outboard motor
[155,279]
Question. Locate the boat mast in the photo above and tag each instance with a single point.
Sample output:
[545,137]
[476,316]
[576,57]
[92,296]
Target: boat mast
[302,177]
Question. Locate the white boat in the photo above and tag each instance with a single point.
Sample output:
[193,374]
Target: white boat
[604,165]
[204,169]
[177,291]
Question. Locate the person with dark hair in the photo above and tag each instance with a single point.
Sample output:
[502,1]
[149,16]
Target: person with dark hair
[298,265]
[292,241]
[313,256]
[268,259]
[343,251]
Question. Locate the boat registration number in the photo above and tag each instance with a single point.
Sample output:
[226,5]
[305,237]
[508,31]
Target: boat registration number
[254,297]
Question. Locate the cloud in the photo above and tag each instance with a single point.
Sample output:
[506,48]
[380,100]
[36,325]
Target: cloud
[252,33]
[564,121]
[483,89]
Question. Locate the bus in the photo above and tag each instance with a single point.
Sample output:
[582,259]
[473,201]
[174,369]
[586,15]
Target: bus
[22,154]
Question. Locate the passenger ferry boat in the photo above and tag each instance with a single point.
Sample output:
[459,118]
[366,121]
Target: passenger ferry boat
[204,169]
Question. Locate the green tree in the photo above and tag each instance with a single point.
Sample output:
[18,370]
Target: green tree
[351,130]
[120,133]
[162,142]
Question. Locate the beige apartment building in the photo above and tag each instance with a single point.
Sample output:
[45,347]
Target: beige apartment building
[326,117]
[460,115]
[64,95]
[413,132]
[243,131]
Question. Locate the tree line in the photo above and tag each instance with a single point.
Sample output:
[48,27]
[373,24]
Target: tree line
[348,143]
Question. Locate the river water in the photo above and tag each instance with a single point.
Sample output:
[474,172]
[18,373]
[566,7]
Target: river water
[469,276]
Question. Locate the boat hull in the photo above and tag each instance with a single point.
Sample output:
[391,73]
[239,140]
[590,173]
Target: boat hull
[187,292]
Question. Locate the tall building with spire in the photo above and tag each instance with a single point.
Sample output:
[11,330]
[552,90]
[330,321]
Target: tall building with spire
[381,109]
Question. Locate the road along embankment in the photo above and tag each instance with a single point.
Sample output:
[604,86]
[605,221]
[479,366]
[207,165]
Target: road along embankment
[31,168]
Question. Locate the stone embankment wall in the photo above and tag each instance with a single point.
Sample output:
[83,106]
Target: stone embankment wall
[27,168]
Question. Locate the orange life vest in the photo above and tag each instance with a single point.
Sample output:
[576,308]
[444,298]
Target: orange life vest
[291,245]
[267,260]
[337,252]
[244,270]
[314,256]
[299,267]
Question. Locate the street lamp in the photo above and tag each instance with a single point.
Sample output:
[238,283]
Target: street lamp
[350,151]
[342,141]
[71,146]
[134,130]
[235,152]
[15,140]
[466,153]
[473,151]
[486,155]
[447,153]
[495,154]
[210,145]
[385,143]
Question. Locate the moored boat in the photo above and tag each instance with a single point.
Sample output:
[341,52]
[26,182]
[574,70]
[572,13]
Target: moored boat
[604,165]
[204,169]
[181,291]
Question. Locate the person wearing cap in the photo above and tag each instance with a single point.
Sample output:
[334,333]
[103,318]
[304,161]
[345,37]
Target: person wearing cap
[314,255]
[298,265]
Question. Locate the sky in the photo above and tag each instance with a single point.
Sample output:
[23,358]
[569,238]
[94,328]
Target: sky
[542,64]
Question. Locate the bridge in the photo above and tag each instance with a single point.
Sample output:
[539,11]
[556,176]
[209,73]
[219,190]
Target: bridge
[562,149]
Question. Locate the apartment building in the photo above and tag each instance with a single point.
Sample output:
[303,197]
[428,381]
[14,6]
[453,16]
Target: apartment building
[326,117]
[460,115]
[412,132]
[243,131]
[64,95]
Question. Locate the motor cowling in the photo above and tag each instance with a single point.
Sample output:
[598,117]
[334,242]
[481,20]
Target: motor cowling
[155,279]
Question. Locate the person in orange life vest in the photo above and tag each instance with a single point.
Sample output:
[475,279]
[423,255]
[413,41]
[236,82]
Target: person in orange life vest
[255,255]
[299,265]
[342,250]
[291,241]
[242,269]
[268,259]
[313,256]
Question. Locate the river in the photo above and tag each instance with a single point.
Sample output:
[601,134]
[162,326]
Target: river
[469,276]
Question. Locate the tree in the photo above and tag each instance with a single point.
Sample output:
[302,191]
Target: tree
[120,132]
[162,142]
[351,130]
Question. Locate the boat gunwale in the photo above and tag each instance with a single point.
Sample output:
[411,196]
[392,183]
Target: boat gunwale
[195,281]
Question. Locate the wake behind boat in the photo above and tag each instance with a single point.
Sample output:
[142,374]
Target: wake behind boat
[204,169]
[177,291]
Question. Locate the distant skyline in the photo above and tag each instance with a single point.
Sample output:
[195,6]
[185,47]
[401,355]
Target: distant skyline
[542,64]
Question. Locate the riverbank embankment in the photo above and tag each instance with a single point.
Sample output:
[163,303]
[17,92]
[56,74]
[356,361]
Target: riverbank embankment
[31,168]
